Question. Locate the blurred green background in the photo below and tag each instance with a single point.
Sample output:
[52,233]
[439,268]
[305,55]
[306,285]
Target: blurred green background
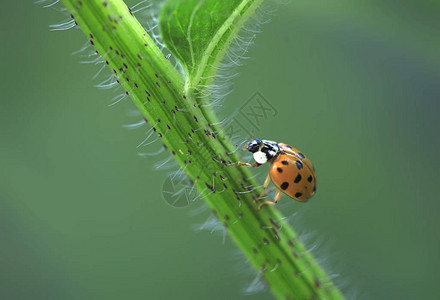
[356,86]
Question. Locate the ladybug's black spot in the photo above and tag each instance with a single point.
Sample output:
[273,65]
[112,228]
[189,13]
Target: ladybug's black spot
[297,195]
[284,185]
[310,178]
[285,162]
[299,165]
[301,155]
[314,188]
[297,178]
[280,170]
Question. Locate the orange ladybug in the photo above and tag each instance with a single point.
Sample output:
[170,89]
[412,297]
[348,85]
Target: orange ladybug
[291,172]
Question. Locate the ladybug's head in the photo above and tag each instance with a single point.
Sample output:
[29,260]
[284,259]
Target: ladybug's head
[263,151]
[254,145]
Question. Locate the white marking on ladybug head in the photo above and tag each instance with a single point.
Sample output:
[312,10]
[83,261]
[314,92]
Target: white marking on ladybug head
[260,157]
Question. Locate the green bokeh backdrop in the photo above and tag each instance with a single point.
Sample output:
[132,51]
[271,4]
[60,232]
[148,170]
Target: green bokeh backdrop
[356,86]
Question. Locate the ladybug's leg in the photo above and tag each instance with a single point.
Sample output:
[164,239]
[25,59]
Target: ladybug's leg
[266,183]
[275,200]
[246,164]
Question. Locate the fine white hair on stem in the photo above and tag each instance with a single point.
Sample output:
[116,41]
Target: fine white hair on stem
[95,61]
[99,72]
[133,112]
[82,49]
[151,142]
[139,3]
[211,224]
[149,134]
[194,185]
[202,194]
[51,4]
[256,286]
[274,268]
[153,153]
[152,28]
[63,26]
[135,125]
[180,172]
[167,163]
[118,99]
[141,8]
[91,53]
[148,17]
[108,83]
[199,210]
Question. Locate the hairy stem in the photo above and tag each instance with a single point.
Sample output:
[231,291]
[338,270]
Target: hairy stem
[158,91]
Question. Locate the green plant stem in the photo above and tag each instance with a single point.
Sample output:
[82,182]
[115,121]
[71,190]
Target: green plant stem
[158,91]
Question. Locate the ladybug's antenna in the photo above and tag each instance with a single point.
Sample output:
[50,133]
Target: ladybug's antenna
[244,147]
